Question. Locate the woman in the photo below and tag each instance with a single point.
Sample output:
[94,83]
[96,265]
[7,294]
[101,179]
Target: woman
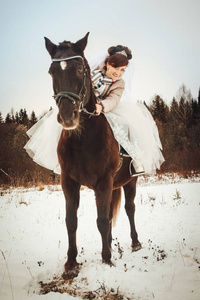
[132,124]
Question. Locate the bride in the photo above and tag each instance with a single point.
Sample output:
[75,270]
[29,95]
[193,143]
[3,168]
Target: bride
[132,123]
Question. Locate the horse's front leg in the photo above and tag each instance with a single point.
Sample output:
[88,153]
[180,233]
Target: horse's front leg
[103,194]
[71,191]
[130,192]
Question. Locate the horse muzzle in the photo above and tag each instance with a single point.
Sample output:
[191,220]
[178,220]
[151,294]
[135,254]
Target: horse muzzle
[68,119]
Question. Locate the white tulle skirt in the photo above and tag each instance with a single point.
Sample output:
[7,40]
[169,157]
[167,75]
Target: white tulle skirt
[133,128]
[136,131]
[44,137]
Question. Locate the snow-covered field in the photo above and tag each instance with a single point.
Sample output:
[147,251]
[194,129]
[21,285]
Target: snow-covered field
[33,245]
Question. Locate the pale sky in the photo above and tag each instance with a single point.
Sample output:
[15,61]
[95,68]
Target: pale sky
[162,34]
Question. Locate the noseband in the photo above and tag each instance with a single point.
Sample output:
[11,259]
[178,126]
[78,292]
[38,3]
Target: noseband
[69,95]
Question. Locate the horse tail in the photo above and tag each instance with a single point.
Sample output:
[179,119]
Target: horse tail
[115,204]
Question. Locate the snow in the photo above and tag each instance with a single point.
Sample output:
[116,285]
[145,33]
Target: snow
[33,244]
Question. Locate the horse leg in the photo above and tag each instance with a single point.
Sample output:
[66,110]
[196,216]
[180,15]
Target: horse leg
[110,225]
[114,207]
[130,192]
[103,194]
[71,191]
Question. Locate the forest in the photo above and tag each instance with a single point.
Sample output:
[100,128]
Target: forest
[178,125]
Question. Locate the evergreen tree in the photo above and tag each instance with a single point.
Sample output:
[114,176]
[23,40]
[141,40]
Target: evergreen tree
[23,117]
[1,118]
[159,109]
[17,118]
[175,130]
[21,112]
[195,112]
[8,118]
[33,119]
[174,106]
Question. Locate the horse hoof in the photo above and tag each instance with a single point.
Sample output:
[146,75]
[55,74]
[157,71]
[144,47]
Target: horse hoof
[136,247]
[108,262]
[71,270]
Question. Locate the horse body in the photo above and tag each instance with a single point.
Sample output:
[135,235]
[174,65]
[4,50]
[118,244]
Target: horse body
[93,152]
[87,150]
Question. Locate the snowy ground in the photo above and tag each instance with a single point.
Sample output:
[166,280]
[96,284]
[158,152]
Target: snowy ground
[33,245]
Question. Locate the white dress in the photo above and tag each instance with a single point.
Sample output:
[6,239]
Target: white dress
[44,137]
[132,125]
[136,131]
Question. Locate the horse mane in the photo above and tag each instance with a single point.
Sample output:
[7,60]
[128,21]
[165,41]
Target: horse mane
[65,45]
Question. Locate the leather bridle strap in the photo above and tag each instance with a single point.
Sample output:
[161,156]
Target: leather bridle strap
[67,58]
[69,95]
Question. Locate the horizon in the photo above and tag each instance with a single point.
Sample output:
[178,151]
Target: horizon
[163,38]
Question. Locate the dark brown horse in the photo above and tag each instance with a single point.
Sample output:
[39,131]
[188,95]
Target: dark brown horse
[87,150]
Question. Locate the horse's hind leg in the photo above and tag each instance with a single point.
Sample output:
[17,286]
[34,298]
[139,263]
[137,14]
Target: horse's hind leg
[110,225]
[71,191]
[103,194]
[130,192]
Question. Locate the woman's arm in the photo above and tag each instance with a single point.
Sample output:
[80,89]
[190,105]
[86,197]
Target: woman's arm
[113,97]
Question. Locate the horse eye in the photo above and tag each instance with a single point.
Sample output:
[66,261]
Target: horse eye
[80,69]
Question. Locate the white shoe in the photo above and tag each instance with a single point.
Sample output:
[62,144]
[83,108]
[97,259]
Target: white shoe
[139,170]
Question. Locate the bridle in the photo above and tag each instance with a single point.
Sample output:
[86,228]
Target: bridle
[69,95]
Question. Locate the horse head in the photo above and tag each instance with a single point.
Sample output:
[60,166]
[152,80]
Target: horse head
[71,80]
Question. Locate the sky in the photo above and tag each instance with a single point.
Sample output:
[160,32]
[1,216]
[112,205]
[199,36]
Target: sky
[162,34]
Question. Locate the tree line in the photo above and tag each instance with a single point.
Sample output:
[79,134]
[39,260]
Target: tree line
[179,130]
[16,167]
[178,125]
[20,117]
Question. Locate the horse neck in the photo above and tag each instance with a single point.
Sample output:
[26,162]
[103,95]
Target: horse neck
[90,106]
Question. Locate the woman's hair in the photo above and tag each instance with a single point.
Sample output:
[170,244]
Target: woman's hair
[117,59]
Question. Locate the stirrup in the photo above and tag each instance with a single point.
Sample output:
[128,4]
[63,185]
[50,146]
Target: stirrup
[137,173]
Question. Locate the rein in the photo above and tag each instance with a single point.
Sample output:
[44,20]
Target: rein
[69,95]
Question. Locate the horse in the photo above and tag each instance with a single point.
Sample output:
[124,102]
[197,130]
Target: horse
[87,151]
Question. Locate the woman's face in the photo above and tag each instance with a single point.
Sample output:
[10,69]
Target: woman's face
[115,73]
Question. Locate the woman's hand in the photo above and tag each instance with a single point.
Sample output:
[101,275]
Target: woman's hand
[99,108]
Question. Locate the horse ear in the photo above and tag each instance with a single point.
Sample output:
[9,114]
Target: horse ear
[81,44]
[51,48]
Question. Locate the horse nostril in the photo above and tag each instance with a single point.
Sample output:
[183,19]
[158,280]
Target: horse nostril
[75,114]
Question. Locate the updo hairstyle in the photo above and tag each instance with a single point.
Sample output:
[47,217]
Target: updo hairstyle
[116,59]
